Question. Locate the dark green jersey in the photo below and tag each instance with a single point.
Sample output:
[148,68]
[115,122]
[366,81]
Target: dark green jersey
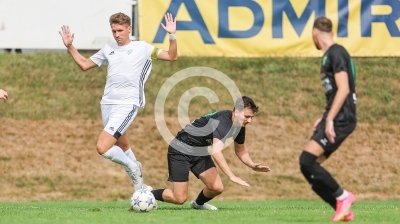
[337,59]
[213,125]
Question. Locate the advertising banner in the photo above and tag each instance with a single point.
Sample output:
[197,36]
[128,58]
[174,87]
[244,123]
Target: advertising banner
[272,28]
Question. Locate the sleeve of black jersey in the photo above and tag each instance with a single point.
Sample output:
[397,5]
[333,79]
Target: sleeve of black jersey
[218,130]
[241,136]
[338,60]
[221,128]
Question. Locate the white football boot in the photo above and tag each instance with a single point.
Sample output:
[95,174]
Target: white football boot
[206,206]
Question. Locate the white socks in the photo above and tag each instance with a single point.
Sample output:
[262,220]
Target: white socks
[117,155]
[343,196]
[132,157]
[130,154]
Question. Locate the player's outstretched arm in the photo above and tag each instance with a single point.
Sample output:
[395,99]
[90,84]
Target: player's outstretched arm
[170,27]
[243,155]
[68,38]
[219,158]
[3,95]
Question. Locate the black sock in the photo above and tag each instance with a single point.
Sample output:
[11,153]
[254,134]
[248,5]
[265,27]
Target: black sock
[315,172]
[158,194]
[201,199]
[325,194]
[322,183]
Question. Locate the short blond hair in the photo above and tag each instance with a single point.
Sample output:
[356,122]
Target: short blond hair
[120,18]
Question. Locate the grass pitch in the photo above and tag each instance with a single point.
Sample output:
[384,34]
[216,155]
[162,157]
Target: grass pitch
[280,211]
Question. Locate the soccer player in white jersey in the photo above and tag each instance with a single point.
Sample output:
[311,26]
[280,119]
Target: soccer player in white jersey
[129,65]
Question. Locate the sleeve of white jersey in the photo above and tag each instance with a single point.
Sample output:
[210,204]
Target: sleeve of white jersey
[99,58]
[152,51]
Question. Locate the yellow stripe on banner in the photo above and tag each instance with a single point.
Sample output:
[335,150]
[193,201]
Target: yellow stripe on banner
[272,28]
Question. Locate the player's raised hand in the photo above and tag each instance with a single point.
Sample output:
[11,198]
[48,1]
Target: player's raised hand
[239,181]
[3,95]
[260,168]
[66,36]
[170,23]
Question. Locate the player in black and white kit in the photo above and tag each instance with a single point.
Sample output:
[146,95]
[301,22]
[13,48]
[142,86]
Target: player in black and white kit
[338,77]
[189,152]
[128,67]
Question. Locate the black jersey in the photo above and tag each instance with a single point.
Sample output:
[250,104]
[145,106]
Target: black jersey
[218,125]
[337,59]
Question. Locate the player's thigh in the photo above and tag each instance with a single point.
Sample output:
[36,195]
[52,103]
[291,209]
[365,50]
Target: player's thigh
[318,141]
[212,180]
[123,142]
[105,142]
[117,118]
[314,148]
[319,144]
[343,131]
[205,170]
[201,164]
[178,165]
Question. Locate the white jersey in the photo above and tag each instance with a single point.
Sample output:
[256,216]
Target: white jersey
[129,67]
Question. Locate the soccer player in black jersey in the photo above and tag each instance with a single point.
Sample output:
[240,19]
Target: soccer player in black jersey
[189,152]
[338,77]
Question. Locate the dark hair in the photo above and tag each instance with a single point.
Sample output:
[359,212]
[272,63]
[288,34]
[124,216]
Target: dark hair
[120,18]
[245,102]
[323,24]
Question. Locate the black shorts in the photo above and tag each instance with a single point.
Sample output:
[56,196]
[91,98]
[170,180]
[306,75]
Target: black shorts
[342,132]
[179,165]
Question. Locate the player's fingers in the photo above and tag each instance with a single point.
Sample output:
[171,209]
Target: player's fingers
[331,139]
[245,184]
[266,168]
[242,182]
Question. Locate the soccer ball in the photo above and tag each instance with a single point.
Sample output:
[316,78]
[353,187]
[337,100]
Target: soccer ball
[143,201]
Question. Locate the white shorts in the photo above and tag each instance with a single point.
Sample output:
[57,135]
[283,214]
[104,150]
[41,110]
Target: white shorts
[117,118]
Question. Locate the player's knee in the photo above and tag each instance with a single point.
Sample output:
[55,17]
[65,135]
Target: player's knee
[101,149]
[180,197]
[180,200]
[306,160]
[217,190]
